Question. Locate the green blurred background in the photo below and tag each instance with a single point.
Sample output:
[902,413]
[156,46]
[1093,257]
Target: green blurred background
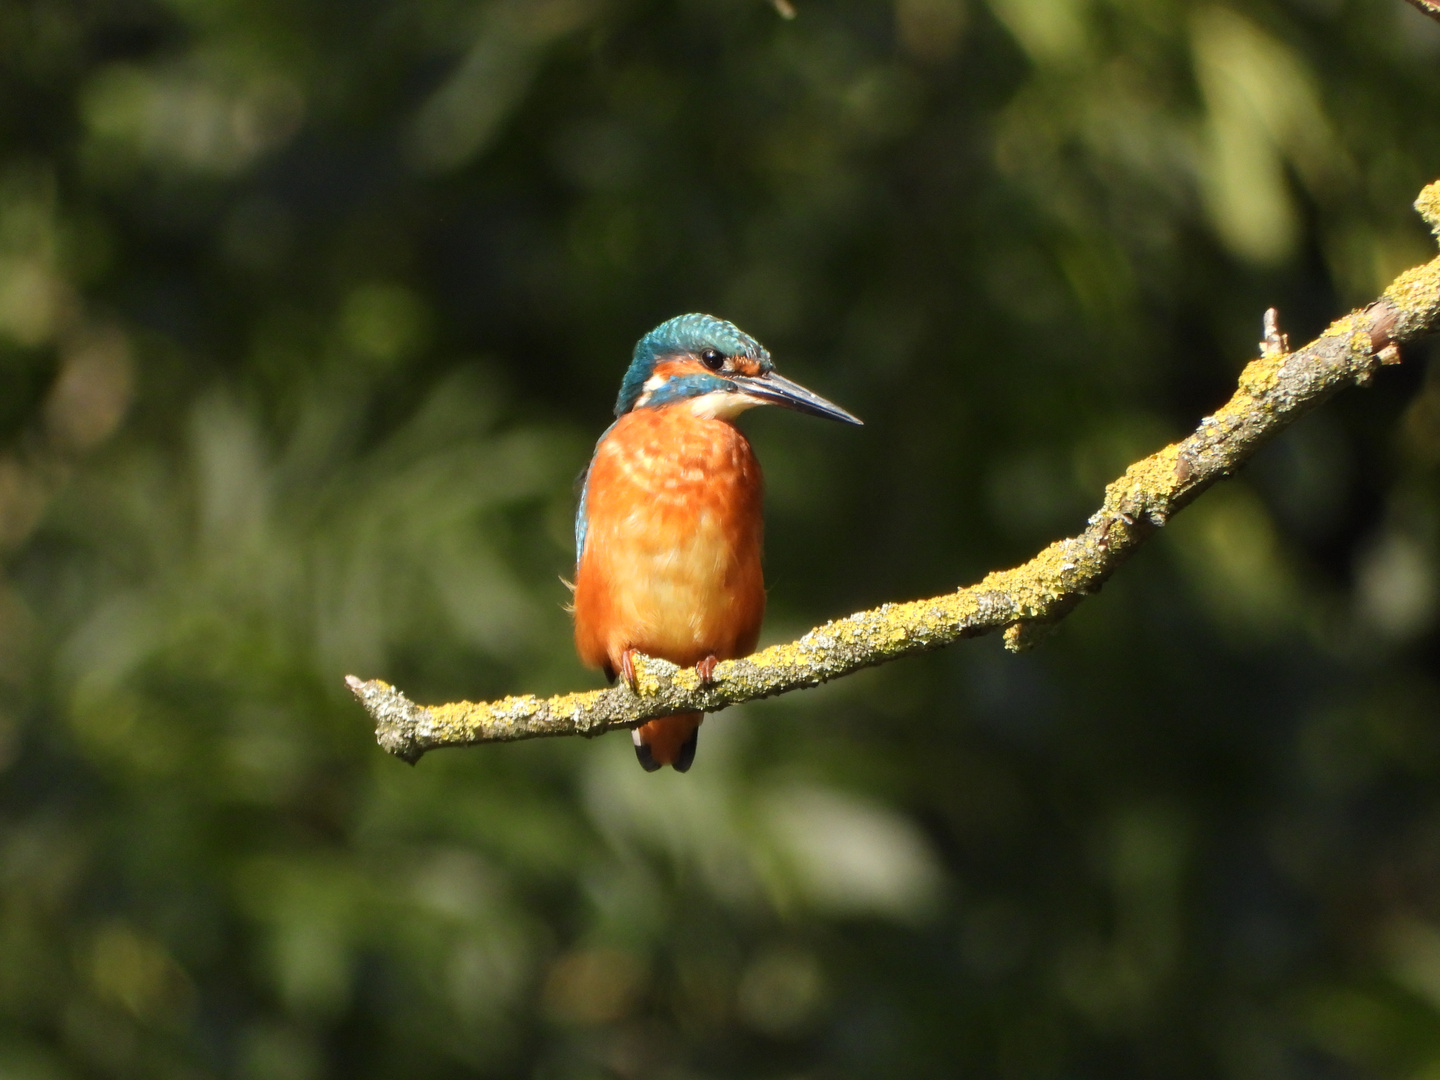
[309,316]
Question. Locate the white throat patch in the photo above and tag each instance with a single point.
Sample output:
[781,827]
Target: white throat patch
[721,405]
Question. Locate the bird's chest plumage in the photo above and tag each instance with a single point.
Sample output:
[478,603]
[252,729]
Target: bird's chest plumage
[671,562]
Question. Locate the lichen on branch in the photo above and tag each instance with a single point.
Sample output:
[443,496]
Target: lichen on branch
[1023,602]
[1429,7]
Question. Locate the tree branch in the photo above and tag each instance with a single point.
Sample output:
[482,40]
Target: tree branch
[1025,602]
[1429,7]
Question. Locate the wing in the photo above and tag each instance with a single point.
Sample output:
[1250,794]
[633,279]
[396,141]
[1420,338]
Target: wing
[583,483]
[583,480]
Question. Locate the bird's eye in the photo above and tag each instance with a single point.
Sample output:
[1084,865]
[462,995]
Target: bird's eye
[712,359]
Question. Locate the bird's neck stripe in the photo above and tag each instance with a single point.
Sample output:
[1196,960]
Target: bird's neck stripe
[676,379]
[653,383]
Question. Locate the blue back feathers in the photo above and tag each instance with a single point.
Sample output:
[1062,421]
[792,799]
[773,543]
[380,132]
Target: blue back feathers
[684,334]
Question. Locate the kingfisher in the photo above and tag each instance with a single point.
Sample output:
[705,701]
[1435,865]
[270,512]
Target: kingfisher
[668,531]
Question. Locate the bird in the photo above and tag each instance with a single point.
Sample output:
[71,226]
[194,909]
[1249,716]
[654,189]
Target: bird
[669,527]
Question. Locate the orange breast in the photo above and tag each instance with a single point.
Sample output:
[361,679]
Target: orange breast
[671,564]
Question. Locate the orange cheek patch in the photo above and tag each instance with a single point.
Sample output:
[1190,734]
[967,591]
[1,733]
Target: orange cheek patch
[746,365]
[670,369]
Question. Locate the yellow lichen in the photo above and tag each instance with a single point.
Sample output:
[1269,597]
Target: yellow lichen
[575,703]
[458,713]
[1429,206]
[1260,376]
[1147,480]
[1416,290]
[646,681]
[775,656]
[1345,326]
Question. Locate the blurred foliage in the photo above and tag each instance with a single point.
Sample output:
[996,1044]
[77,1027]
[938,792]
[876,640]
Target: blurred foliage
[309,315]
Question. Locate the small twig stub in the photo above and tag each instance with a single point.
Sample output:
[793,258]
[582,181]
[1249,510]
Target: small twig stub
[1274,343]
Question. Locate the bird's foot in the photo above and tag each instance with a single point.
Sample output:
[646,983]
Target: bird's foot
[706,670]
[627,669]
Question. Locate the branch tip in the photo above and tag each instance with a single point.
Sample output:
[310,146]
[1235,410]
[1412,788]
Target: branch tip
[1428,204]
[1428,7]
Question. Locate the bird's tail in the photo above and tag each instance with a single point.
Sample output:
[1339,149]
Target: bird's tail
[670,740]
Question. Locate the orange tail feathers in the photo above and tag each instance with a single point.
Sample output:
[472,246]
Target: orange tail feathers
[670,740]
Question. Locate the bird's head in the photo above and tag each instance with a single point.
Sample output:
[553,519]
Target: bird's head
[713,368]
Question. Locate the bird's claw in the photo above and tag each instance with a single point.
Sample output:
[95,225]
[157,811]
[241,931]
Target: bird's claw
[627,669]
[706,670]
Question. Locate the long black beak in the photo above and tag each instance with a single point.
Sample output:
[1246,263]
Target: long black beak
[775,389]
